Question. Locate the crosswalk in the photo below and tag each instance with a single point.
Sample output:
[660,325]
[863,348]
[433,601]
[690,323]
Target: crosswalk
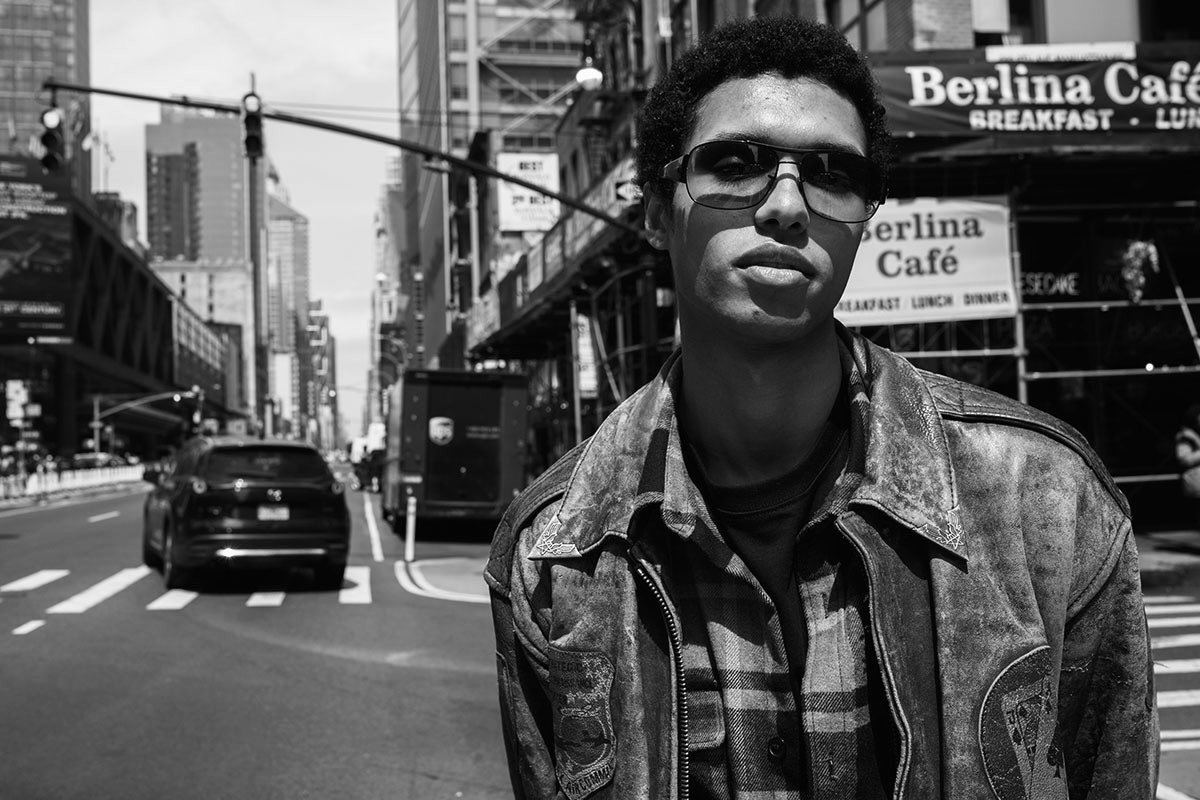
[1174,622]
[356,591]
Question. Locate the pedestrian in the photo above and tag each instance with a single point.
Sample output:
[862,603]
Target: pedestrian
[793,565]
[1187,455]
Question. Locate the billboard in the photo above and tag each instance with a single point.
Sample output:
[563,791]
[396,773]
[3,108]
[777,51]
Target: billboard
[932,260]
[522,209]
[35,250]
[1090,90]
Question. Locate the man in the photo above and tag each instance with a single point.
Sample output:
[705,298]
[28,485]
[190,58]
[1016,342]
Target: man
[792,565]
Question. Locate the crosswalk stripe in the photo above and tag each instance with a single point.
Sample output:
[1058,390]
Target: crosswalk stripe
[360,592]
[1184,608]
[266,599]
[100,592]
[1177,666]
[1167,793]
[1172,622]
[1178,640]
[172,600]
[35,581]
[28,627]
[1193,733]
[1191,744]
[1168,598]
[1181,698]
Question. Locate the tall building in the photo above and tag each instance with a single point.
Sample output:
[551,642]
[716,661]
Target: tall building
[320,398]
[502,66]
[198,225]
[288,303]
[42,39]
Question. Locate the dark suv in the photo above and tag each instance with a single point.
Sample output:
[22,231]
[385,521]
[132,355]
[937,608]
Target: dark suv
[242,501]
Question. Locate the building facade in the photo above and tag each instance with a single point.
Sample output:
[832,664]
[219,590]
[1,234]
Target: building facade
[46,39]
[1043,147]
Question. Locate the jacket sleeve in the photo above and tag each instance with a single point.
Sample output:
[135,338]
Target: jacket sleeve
[522,674]
[1108,714]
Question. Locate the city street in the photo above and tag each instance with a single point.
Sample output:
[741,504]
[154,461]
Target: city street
[261,686]
[257,686]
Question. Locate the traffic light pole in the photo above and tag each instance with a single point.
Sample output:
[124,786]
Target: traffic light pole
[475,167]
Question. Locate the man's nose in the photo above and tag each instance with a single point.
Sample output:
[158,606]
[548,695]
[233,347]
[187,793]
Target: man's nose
[785,202]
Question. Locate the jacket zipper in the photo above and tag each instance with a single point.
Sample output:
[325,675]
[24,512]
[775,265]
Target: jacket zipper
[680,680]
[885,668]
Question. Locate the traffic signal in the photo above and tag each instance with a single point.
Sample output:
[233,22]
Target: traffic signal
[54,149]
[252,125]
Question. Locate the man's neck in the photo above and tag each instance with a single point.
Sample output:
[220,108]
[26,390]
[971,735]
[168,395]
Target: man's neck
[753,415]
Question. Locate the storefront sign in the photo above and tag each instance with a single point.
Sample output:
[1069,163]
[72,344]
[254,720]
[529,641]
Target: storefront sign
[932,260]
[522,209]
[1084,88]
[35,250]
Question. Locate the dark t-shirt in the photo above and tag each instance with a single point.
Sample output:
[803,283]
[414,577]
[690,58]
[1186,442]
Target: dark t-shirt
[761,522]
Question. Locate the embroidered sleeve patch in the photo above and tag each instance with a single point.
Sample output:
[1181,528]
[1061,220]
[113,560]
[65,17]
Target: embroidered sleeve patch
[584,746]
[1018,727]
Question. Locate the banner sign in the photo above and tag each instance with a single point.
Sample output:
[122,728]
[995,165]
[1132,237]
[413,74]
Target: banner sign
[1084,88]
[932,260]
[35,250]
[522,209]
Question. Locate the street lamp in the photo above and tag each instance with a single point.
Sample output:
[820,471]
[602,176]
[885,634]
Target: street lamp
[589,77]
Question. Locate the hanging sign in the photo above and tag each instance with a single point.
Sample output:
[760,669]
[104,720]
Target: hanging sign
[932,260]
[1093,88]
[520,208]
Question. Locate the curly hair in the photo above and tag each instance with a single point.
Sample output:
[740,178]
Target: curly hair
[791,46]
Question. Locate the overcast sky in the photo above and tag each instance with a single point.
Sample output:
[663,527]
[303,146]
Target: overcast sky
[300,52]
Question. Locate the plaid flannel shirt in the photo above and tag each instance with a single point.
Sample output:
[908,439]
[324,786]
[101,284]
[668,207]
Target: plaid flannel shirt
[747,739]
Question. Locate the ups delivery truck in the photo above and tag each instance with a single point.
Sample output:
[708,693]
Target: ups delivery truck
[456,442]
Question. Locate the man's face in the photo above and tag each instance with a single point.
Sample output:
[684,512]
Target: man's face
[772,273]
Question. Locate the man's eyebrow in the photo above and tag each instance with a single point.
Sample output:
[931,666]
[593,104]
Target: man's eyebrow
[741,136]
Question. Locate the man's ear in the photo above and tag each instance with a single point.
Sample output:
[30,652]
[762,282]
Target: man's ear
[655,219]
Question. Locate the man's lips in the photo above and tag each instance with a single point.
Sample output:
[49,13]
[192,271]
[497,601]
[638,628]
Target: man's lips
[775,258]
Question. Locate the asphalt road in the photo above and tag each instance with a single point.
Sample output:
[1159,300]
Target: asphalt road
[259,686]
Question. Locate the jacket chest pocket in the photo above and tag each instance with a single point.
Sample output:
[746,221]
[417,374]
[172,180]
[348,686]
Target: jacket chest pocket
[580,690]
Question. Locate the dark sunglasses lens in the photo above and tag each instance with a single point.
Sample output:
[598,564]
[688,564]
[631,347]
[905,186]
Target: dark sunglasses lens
[840,186]
[730,174]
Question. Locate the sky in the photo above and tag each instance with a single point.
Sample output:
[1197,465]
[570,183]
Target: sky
[301,53]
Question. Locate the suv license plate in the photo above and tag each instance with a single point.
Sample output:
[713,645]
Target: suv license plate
[273,513]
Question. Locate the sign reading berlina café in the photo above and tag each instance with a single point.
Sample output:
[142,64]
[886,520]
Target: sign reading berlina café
[1086,88]
[930,260]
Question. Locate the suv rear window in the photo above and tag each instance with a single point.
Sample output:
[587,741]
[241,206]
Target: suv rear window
[265,462]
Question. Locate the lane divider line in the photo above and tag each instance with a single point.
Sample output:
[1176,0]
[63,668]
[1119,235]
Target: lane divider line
[409,583]
[104,516]
[419,578]
[28,627]
[172,600]
[266,599]
[360,592]
[35,581]
[100,592]
[372,529]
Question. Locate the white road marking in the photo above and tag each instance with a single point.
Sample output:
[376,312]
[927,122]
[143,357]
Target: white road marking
[266,599]
[100,592]
[1168,598]
[1182,698]
[411,583]
[172,600]
[1193,744]
[1178,640]
[1167,793]
[418,576]
[1193,733]
[1178,666]
[360,592]
[28,627]
[1173,622]
[104,516]
[372,529]
[1187,608]
[35,581]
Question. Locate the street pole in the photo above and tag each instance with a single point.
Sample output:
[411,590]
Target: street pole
[96,424]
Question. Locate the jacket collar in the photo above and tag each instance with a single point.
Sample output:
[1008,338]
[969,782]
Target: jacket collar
[627,463]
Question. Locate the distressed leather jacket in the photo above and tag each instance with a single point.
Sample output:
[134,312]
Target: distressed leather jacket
[1004,601]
